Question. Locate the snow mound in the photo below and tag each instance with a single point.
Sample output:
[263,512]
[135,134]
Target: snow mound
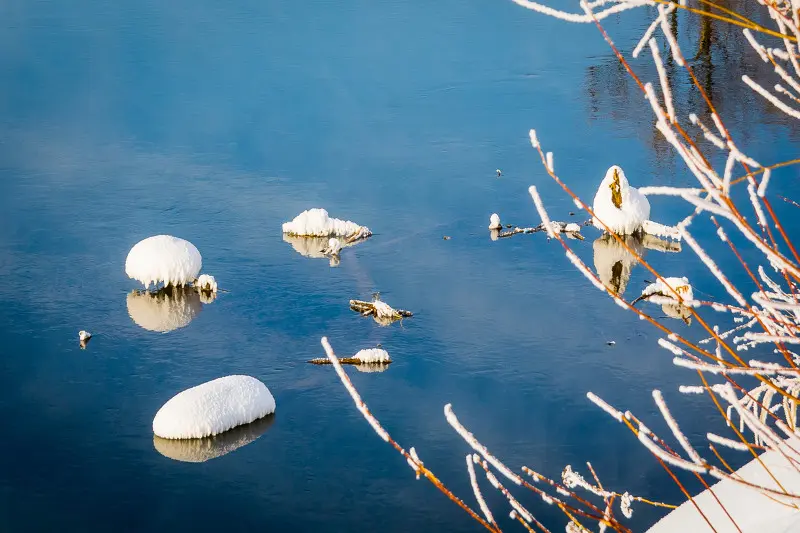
[373,355]
[202,450]
[316,223]
[164,311]
[753,511]
[206,282]
[665,287]
[621,207]
[163,258]
[494,221]
[213,407]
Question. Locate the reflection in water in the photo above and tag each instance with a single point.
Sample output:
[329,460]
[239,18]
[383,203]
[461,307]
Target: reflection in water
[720,56]
[202,450]
[614,263]
[315,247]
[676,310]
[371,367]
[165,310]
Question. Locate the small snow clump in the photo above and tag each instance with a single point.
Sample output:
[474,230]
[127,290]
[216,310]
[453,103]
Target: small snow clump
[84,336]
[622,208]
[662,288]
[213,407]
[334,246]
[206,282]
[494,222]
[163,258]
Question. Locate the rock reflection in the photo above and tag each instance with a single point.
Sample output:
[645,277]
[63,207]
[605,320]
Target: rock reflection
[202,450]
[614,263]
[165,310]
[371,367]
[316,247]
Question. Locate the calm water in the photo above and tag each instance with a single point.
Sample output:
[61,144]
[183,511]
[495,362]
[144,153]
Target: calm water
[217,121]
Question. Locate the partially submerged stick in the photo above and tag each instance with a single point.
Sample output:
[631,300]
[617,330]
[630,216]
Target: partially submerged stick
[379,309]
[344,361]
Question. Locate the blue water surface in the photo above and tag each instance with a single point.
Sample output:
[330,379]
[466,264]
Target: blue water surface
[218,121]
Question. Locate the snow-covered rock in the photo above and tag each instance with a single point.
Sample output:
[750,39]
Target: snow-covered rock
[84,336]
[753,511]
[202,450]
[373,355]
[206,282]
[165,310]
[621,207]
[664,288]
[213,407]
[165,259]
[494,222]
[316,223]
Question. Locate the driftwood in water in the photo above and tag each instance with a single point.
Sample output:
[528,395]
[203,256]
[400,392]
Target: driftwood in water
[558,227]
[378,309]
[345,361]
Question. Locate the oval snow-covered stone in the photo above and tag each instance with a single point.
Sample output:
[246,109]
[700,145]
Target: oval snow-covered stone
[213,408]
[163,258]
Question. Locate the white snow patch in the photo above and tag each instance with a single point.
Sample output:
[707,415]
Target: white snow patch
[316,223]
[633,210]
[206,282]
[494,221]
[164,311]
[753,511]
[163,258]
[572,227]
[373,355]
[213,407]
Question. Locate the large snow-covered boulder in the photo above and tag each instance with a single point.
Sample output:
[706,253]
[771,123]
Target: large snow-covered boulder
[621,207]
[165,259]
[316,223]
[164,310]
[213,408]
[202,450]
